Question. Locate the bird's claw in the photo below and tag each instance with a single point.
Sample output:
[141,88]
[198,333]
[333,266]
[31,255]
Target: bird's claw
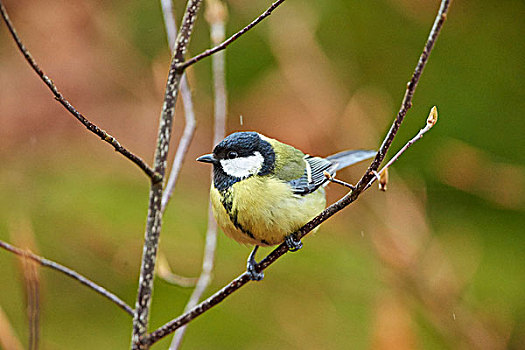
[250,267]
[254,275]
[293,243]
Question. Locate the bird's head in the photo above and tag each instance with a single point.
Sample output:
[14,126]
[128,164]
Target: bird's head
[238,157]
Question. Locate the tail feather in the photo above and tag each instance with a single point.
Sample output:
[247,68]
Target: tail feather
[347,158]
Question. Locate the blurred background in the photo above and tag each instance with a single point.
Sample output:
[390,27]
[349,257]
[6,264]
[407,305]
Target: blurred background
[438,261]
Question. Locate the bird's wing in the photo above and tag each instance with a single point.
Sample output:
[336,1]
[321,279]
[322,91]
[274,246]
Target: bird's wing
[313,175]
[347,158]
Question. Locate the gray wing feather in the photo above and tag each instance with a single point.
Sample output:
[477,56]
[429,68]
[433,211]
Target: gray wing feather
[315,167]
[313,175]
[347,158]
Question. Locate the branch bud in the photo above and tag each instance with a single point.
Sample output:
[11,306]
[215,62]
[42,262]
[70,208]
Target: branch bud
[383,180]
[432,117]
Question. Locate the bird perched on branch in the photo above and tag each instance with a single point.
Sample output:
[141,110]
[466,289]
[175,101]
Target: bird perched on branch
[263,190]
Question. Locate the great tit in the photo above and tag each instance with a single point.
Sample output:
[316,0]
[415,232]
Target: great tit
[264,190]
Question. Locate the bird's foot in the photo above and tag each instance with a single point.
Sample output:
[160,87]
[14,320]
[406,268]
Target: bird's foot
[250,267]
[293,243]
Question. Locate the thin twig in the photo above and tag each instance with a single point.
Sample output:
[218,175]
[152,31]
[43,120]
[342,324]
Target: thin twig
[184,143]
[216,16]
[170,26]
[231,39]
[154,218]
[70,273]
[69,107]
[406,104]
[331,178]
[431,121]
[189,112]
[349,198]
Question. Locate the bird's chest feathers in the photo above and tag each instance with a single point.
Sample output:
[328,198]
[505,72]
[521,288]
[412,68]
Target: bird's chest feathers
[263,210]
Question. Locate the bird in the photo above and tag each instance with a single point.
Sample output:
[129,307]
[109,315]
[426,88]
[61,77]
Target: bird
[264,190]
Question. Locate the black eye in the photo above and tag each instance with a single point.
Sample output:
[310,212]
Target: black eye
[231,155]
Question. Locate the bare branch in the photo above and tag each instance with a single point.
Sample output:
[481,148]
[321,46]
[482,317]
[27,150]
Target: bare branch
[69,107]
[431,121]
[216,16]
[154,218]
[331,178]
[198,310]
[231,39]
[184,143]
[189,113]
[328,212]
[406,104]
[70,273]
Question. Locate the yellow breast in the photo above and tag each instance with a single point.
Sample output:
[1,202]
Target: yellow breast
[262,210]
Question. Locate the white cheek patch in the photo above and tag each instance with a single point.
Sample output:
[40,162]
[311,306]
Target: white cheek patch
[243,167]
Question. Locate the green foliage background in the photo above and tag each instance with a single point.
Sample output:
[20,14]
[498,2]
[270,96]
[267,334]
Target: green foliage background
[297,77]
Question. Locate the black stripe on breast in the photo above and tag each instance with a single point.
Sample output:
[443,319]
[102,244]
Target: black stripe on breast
[227,203]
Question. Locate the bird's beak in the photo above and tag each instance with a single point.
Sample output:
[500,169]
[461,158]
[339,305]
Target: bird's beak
[207,158]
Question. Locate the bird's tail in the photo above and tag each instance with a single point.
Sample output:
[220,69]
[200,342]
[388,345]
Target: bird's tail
[347,158]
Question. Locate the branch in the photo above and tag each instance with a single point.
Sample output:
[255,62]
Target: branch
[332,209]
[189,113]
[154,218]
[431,121]
[406,104]
[231,39]
[70,273]
[69,107]
[216,16]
